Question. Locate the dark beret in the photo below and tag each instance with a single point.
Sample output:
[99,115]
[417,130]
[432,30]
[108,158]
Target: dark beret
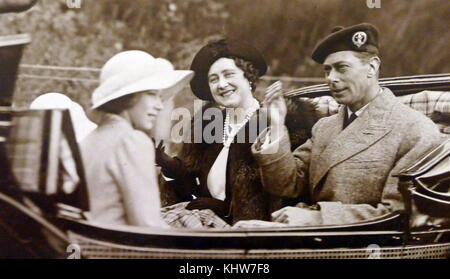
[361,37]
[208,54]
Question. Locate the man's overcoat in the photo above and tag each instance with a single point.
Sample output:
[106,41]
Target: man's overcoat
[350,172]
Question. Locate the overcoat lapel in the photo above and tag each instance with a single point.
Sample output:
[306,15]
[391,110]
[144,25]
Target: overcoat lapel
[366,130]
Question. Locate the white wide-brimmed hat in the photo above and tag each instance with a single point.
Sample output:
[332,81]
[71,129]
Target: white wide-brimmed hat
[81,124]
[135,71]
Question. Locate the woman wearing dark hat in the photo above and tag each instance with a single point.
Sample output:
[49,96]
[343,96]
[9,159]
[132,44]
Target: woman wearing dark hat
[223,175]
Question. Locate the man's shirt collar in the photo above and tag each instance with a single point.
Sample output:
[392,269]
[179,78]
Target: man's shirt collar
[361,110]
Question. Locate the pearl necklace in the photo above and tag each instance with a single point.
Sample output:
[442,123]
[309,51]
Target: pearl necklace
[228,135]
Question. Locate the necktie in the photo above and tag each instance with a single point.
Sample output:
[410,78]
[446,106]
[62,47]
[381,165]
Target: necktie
[347,120]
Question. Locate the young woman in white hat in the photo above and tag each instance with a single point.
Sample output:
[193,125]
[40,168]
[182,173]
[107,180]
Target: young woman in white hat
[118,156]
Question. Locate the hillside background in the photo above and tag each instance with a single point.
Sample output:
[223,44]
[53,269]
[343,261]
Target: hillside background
[414,36]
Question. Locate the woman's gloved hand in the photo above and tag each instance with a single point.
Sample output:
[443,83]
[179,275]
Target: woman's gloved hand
[219,207]
[169,166]
[161,155]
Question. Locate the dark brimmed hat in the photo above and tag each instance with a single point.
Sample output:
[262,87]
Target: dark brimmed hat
[218,49]
[362,37]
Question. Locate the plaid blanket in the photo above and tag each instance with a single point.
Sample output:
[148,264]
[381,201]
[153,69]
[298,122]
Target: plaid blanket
[428,102]
[434,104]
[325,105]
[28,152]
[251,224]
[178,216]
[25,149]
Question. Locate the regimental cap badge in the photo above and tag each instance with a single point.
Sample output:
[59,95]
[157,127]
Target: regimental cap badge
[359,38]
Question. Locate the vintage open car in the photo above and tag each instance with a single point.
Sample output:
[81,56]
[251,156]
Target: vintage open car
[40,219]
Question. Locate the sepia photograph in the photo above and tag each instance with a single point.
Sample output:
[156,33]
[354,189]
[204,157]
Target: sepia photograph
[224,129]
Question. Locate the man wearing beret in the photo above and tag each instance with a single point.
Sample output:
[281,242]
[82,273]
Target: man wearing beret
[345,172]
